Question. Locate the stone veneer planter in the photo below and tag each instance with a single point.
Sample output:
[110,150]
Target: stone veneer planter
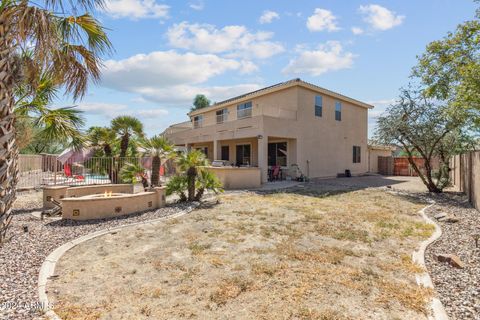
[90,202]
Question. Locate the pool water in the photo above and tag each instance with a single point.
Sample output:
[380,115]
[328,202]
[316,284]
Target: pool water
[95,176]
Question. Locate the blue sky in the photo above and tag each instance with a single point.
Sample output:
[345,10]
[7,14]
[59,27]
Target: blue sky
[168,51]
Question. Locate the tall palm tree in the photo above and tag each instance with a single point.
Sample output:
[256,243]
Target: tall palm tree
[192,163]
[158,148]
[125,127]
[66,45]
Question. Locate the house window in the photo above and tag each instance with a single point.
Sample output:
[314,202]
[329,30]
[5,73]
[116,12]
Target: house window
[243,155]
[222,115]
[225,153]
[318,106]
[338,111]
[356,154]
[277,154]
[197,121]
[244,110]
[204,150]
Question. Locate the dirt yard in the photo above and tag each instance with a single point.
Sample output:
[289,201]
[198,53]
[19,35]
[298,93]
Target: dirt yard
[298,254]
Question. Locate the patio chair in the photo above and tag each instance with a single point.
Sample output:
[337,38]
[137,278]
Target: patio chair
[275,173]
[68,173]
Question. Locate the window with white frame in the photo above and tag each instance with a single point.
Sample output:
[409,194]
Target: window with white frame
[244,110]
[318,106]
[243,154]
[338,111]
[356,154]
[277,154]
[198,121]
[222,115]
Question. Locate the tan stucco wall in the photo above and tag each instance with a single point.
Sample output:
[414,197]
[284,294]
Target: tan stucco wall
[98,208]
[237,178]
[373,155]
[321,146]
[60,192]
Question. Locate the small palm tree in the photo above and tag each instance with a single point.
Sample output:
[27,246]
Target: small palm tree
[125,127]
[102,137]
[69,46]
[192,163]
[207,180]
[158,148]
[131,172]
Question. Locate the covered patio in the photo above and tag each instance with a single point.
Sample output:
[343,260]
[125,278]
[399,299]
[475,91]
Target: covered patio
[273,156]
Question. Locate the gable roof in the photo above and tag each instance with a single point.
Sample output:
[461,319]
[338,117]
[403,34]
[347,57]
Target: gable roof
[277,87]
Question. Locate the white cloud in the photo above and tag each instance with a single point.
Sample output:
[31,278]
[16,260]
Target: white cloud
[166,68]
[171,78]
[380,18]
[357,30]
[197,5]
[322,19]
[268,16]
[327,57]
[235,41]
[136,9]
[184,94]
[100,108]
[112,110]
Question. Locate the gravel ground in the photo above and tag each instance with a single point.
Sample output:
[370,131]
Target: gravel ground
[458,289]
[22,256]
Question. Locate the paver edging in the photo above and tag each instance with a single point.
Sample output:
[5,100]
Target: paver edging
[424,279]
[48,266]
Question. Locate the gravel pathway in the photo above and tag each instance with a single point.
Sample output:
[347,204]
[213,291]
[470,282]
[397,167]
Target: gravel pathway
[459,289]
[22,256]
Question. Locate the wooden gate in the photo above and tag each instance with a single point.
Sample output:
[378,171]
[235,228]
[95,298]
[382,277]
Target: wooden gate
[401,166]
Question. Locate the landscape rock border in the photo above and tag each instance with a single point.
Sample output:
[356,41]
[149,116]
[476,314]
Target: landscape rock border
[48,266]
[424,279]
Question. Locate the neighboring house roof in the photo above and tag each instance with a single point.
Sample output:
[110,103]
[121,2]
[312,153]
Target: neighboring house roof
[381,147]
[277,87]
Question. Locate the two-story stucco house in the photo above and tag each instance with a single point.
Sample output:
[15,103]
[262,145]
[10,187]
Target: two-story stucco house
[293,122]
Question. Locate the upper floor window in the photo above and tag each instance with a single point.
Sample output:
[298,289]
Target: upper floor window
[356,154]
[318,106]
[197,121]
[222,115]
[244,110]
[338,111]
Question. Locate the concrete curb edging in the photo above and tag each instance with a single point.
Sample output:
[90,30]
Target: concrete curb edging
[47,269]
[424,279]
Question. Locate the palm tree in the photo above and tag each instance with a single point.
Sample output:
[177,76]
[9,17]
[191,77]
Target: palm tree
[207,180]
[65,45]
[126,127]
[51,126]
[158,148]
[192,163]
[200,101]
[102,137]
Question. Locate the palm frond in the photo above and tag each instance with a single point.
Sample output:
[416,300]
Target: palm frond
[77,29]
[127,124]
[61,124]
[157,146]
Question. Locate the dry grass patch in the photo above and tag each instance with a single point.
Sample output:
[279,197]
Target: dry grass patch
[271,256]
[230,289]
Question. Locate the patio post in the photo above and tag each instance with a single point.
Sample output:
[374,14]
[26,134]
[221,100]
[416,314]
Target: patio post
[215,150]
[262,157]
